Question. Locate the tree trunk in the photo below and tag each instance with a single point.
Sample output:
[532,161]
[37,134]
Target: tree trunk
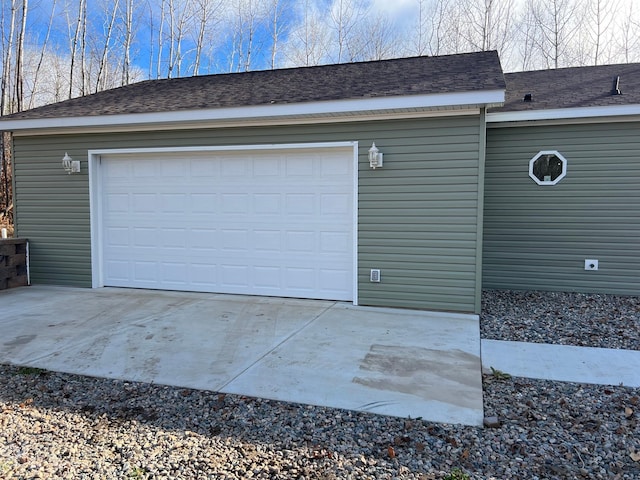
[19,78]
[7,68]
[43,51]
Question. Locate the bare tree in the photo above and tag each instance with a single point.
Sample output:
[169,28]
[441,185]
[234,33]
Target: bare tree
[344,16]
[308,41]
[452,28]
[110,20]
[7,67]
[159,36]
[437,38]
[277,25]
[437,28]
[420,40]
[41,57]
[179,14]
[526,44]
[628,43]
[19,74]
[205,17]
[489,23]
[247,17]
[84,85]
[127,41]
[375,38]
[556,23]
[78,42]
[599,25]
[172,22]
[6,195]
[5,107]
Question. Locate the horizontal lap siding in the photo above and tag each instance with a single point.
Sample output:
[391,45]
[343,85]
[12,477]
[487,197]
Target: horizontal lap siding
[537,237]
[52,211]
[417,215]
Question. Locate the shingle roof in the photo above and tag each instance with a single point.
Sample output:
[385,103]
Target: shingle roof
[385,78]
[572,88]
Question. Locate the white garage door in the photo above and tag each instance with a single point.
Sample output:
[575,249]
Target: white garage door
[278,223]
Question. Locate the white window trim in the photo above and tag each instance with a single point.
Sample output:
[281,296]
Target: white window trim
[96,207]
[548,152]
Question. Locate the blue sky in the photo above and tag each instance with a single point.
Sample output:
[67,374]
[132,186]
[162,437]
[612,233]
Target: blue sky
[401,12]
[399,17]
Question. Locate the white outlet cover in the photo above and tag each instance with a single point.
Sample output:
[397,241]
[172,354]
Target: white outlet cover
[590,264]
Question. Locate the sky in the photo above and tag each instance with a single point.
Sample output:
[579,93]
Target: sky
[400,17]
[400,13]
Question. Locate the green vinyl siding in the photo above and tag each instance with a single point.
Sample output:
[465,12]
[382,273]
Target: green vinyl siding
[417,215]
[418,218]
[538,237]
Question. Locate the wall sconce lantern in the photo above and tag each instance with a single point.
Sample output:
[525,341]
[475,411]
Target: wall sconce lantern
[70,165]
[375,157]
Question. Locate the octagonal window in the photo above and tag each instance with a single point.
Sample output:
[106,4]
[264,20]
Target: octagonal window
[548,167]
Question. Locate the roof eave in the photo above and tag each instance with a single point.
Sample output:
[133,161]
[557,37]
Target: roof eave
[564,114]
[483,98]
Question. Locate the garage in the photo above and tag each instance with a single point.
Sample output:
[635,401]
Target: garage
[267,183]
[263,220]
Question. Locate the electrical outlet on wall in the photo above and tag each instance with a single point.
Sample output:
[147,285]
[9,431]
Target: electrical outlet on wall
[374,276]
[590,264]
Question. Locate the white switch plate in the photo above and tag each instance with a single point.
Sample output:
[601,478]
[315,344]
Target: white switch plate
[590,264]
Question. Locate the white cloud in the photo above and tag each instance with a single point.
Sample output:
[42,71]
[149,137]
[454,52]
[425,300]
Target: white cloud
[395,8]
[400,13]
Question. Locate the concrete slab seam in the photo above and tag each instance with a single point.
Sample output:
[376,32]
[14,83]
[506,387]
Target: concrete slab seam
[275,347]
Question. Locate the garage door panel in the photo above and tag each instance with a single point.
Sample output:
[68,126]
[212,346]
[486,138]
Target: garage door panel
[141,203]
[203,203]
[267,276]
[268,241]
[333,166]
[118,202]
[145,271]
[177,272]
[203,275]
[117,237]
[234,240]
[335,204]
[117,270]
[234,275]
[268,224]
[297,167]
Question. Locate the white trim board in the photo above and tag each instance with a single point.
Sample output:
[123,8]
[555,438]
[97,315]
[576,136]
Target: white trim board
[95,192]
[335,107]
[563,114]
[439,112]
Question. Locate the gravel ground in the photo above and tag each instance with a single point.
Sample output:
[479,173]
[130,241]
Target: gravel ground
[606,321]
[55,425]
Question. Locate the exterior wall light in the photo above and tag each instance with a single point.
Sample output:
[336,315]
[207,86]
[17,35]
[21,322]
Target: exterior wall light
[375,157]
[70,165]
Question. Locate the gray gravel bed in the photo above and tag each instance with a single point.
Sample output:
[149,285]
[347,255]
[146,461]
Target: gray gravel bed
[61,426]
[586,320]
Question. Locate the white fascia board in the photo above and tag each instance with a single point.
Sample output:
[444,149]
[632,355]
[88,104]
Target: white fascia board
[380,104]
[563,113]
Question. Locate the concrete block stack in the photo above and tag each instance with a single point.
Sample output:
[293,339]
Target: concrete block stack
[13,263]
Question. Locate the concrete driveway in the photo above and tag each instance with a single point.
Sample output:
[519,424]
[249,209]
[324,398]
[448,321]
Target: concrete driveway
[386,361]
